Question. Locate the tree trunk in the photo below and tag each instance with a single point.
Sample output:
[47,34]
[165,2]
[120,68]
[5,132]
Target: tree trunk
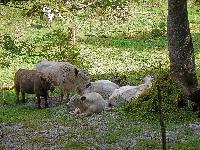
[161,119]
[181,51]
[71,36]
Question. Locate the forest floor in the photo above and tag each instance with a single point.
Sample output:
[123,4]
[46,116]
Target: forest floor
[26,127]
[119,51]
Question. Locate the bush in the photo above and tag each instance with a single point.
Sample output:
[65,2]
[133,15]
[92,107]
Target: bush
[54,46]
[12,49]
[147,102]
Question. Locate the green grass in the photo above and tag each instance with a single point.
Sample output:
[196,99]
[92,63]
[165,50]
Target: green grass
[106,48]
[93,50]
[22,114]
[76,146]
[192,145]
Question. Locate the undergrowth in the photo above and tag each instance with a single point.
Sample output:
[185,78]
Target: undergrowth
[145,107]
[121,51]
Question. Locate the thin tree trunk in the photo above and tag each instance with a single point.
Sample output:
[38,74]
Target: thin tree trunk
[71,35]
[161,119]
[181,51]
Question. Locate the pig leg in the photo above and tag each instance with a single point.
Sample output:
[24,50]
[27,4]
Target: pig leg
[79,91]
[46,103]
[67,96]
[61,94]
[39,101]
[23,97]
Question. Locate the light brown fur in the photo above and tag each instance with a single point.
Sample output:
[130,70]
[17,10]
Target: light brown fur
[88,104]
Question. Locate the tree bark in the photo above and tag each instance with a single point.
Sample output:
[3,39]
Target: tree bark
[180,46]
[71,36]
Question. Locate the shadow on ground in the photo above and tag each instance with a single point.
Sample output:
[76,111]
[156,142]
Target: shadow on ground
[121,42]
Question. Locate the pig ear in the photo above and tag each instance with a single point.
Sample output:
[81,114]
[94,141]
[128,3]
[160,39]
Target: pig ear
[83,98]
[76,71]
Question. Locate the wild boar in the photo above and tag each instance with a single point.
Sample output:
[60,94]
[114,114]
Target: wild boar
[32,82]
[65,75]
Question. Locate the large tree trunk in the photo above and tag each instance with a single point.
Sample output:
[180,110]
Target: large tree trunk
[181,51]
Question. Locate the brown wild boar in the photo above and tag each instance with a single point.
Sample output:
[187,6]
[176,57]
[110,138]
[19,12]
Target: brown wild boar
[32,82]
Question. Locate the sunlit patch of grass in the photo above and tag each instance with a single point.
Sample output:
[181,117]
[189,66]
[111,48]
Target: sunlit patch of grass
[122,51]
[7,97]
[108,60]
[194,18]
[112,47]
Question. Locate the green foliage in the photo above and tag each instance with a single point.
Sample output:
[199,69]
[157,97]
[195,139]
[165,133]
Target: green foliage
[21,114]
[12,49]
[121,51]
[54,46]
[147,103]
[196,2]
[114,4]
[5,95]
[192,145]
[7,1]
